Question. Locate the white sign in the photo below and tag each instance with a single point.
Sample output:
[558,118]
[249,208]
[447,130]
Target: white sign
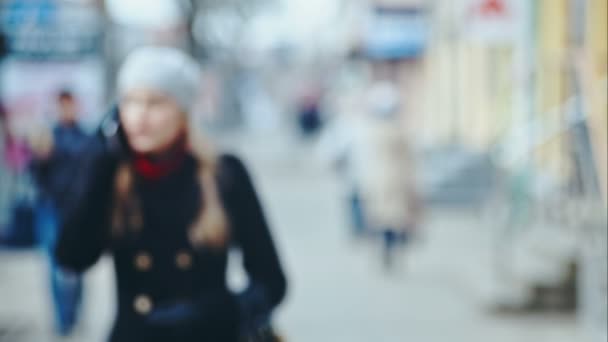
[491,21]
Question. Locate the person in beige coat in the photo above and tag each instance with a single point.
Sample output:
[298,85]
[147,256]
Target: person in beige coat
[384,169]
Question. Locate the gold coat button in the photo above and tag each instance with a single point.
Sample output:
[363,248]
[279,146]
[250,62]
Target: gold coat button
[142,304]
[183,260]
[143,261]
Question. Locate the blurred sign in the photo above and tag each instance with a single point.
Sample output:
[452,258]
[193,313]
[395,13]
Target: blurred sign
[396,33]
[492,8]
[491,21]
[29,90]
[51,29]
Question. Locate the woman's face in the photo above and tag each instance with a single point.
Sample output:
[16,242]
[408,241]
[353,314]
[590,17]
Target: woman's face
[151,120]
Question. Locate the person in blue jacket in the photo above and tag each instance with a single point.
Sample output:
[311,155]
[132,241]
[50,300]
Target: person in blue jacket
[54,166]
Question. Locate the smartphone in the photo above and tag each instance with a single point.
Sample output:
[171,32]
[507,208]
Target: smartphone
[110,131]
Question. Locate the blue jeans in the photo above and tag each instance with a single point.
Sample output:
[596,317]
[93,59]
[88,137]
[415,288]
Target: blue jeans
[66,287]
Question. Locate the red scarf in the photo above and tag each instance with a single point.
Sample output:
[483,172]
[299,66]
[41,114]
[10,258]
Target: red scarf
[151,169]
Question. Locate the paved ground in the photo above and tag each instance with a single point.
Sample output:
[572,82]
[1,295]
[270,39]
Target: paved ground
[338,292]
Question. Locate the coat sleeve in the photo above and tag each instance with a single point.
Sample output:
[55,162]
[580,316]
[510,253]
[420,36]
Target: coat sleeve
[84,232]
[267,281]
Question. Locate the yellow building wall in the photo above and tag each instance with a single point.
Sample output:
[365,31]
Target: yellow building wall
[439,121]
[474,96]
[596,62]
[469,91]
[483,93]
[552,91]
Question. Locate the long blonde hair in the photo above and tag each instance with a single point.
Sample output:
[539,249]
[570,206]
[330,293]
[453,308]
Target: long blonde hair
[210,228]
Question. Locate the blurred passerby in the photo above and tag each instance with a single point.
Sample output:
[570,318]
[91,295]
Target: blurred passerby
[336,149]
[384,170]
[17,196]
[15,151]
[4,173]
[309,111]
[169,209]
[56,155]
[337,141]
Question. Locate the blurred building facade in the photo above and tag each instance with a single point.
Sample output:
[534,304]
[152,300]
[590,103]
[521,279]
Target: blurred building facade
[524,83]
[541,73]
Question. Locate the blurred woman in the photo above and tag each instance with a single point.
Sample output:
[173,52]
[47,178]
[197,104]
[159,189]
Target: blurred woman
[16,153]
[168,208]
[17,194]
[384,170]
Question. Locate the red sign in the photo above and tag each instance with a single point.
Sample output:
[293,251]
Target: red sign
[491,8]
[492,21]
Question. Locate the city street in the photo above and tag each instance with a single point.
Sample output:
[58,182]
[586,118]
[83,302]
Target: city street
[338,290]
[478,125]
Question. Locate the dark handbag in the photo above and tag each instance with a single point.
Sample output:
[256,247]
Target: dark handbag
[261,330]
[255,316]
[262,334]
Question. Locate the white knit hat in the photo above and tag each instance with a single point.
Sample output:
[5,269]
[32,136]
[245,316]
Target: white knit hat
[384,99]
[164,69]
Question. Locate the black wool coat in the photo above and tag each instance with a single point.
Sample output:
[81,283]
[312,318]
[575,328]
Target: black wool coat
[168,289]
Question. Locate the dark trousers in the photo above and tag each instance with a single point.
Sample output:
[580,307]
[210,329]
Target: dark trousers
[391,240]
